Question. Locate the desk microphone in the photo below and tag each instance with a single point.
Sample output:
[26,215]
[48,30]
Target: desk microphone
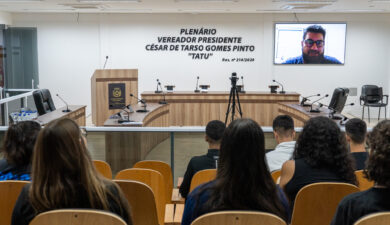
[67,107]
[282,91]
[196,87]
[304,99]
[130,110]
[158,84]
[143,104]
[163,102]
[316,110]
[105,62]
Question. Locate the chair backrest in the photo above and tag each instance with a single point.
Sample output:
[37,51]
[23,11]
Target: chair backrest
[164,169]
[238,218]
[381,218]
[275,175]
[103,168]
[9,193]
[154,180]
[141,200]
[201,177]
[364,183]
[317,203]
[77,217]
[371,93]
[43,101]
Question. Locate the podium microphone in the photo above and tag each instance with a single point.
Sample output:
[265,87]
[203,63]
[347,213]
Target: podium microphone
[304,99]
[282,91]
[157,91]
[196,87]
[67,107]
[316,110]
[143,104]
[105,62]
[163,102]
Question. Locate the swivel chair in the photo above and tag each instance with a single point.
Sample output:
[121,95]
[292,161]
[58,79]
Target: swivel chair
[372,96]
[43,101]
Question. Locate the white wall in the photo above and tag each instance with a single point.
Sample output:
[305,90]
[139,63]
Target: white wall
[5,18]
[70,48]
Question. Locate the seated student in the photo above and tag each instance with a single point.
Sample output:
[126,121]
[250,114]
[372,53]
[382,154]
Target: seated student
[284,134]
[375,199]
[321,155]
[355,133]
[214,132]
[243,181]
[18,149]
[63,176]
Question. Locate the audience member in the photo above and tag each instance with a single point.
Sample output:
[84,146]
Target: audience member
[214,132]
[355,133]
[63,176]
[243,181]
[284,134]
[321,155]
[18,149]
[375,199]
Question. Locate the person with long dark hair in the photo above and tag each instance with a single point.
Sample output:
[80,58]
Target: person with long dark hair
[375,199]
[63,176]
[243,181]
[18,150]
[321,155]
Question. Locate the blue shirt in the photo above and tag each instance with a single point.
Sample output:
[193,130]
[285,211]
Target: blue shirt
[196,200]
[12,172]
[299,60]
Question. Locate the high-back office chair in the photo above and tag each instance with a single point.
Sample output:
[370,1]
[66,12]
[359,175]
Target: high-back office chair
[77,217]
[238,218]
[43,101]
[317,203]
[372,96]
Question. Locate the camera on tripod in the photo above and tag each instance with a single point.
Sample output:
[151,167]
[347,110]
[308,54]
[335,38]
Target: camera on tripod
[234,79]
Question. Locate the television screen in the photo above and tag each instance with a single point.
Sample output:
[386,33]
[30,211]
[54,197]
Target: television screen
[310,43]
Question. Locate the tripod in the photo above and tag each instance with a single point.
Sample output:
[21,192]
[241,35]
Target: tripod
[232,99]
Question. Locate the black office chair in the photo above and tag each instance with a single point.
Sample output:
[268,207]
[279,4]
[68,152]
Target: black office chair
[43,101]
[372,96]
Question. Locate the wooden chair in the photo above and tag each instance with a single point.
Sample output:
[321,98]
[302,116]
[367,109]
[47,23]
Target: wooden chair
[316,203]
[275,175]
[164,169]
[239,218]
[142,202]
[364,183]
[9,193]
[154,180]
[381,218]
[201,177]
[77,217]
[103,168]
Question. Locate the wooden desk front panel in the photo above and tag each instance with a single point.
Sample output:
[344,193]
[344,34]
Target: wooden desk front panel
[77,114]
[197,109]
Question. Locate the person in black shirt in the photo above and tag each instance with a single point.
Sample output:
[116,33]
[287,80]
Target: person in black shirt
[18,149]
[375,199]
[355,133]
[63,176]
[214,133]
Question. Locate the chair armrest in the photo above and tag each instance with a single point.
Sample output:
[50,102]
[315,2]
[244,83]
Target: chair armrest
[176,196]
[362,99]
[387,98]
[179,181]
[179,210]
[169,214]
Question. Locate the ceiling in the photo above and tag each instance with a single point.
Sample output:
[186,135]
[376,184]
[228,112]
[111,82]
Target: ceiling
[195,6]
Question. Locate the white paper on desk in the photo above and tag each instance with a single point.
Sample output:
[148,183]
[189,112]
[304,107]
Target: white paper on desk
[132,123]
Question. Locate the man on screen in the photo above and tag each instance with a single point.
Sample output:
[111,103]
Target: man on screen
[313,48]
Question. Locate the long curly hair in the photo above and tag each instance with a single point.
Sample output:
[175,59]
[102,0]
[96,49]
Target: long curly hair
[322,145]
[378,166]
[243,181]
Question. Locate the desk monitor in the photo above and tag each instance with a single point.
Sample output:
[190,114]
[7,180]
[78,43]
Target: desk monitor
[338,100]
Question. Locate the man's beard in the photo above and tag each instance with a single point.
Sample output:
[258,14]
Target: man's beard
[307,58]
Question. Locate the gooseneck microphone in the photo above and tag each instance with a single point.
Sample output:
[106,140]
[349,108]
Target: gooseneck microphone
[282,91]
[158,83]
[67,106]
[196,87]
[304,99]
[316,110]
[130,110]
[105,62]
[143,104]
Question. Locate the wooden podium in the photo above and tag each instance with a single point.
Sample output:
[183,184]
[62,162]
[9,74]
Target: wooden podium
[100,82]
